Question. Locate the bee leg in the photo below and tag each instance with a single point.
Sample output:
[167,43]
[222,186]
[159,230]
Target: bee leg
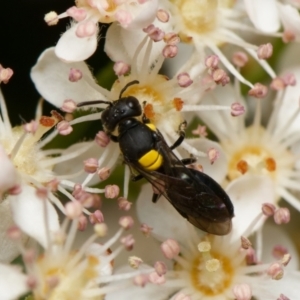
[155,197]
[145,120]
[181,132]
[114,138]
[137,177]
[189,161]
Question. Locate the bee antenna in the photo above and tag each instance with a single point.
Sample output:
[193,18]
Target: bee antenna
[94,102]
[126,87]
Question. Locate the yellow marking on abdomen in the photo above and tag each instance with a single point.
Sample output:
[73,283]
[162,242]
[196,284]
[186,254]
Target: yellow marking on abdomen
[151,161]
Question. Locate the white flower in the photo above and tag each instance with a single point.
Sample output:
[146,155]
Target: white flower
[80,41]
[248,151]
[25,170]
[206,25]
[209,267]
[269,15]
[61,272]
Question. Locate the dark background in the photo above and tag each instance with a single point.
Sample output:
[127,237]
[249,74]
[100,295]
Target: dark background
[24,35]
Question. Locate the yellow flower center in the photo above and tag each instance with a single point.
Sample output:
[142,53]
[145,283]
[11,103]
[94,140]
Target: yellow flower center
[59,282]
[257,153]
[199,17]
[211,272]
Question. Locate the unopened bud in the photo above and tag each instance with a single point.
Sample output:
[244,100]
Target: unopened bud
[265,51]
[112,191]
[128,242]
[91,165]
[162,15]
[170,248]
[126,222]
[64,128]
[268,209]
[282,216]
[258,91]
[184,80]
[242,291]
[275,270]
[102,139]
[240,59]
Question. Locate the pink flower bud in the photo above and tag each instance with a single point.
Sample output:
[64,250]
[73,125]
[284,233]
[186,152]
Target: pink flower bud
[140,280]
[213,154]
[82,222]
[75,75]
[212,62]
[128,242]
[96,217]
[170,248]
[220,77]
[265,51]
[282,216]
[277,84]
[126,222]
[242,291]
[86,29]
[31,127]
[160,268]
[171,38]
[121,68]
[170,51]
[112,191]
[78,14]
[145,229]
[73,209]
[104,173]
[258,91]
[245,243]
[275,270]
[91,165]
[240,59]
[162,15]
[64,128]
[156,279]
[237,109]
[124,204]
[102,139]
[268,209]
[184,79]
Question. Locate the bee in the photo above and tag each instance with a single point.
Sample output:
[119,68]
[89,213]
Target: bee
[196,196]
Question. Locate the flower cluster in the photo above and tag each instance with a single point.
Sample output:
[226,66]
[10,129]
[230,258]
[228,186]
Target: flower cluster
[182,68]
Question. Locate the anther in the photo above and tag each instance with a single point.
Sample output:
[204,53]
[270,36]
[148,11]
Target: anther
[265,51]
[134,262]
[75,75]
[170,248]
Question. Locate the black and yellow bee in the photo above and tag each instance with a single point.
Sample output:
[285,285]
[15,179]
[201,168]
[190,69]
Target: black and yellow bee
[195,195]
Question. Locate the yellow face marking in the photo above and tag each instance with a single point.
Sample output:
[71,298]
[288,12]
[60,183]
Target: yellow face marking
[151,161]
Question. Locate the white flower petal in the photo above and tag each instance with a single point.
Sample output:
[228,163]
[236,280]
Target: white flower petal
[274,235]
[8,247]
[150,291]
[120,45]
[218,169]
[72,48]
[263,14]
[268,289]
[51,78]
[161,216]
[8,174]
[28,214]
[290,18]
[247,194]
[13,283]
[143,14]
